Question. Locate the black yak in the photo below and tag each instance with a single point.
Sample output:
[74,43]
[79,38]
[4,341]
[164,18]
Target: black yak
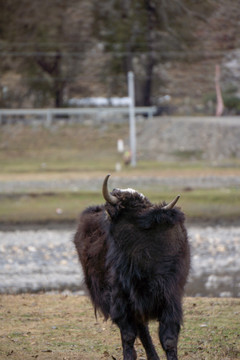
[135,257]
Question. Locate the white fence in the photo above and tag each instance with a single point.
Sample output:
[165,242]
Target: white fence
[58,113]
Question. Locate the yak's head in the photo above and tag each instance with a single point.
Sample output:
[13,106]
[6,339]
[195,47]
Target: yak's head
[128,200]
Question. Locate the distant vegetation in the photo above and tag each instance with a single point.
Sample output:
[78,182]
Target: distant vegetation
[81,49]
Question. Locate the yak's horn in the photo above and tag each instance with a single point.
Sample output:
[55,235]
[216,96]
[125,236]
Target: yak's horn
[107,196]
[171,204]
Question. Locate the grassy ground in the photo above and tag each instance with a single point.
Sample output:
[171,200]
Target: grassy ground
[79,151]
[81,148]
[205,205]
[66,148]
[64,327]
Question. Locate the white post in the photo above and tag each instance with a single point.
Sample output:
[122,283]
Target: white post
[49,117]
[132,118]
[220,104]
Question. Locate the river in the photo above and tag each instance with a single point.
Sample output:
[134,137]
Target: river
[45,260]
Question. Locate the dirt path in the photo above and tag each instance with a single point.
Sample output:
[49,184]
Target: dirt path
[93,181]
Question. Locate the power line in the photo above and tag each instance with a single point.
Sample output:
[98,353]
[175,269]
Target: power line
[125,53]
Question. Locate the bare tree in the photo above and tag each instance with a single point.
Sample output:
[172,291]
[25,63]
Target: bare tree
[141,34]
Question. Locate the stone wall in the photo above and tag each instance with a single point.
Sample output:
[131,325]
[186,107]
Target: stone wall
[191,138]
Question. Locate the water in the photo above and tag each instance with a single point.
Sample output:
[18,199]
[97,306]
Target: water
[45,260]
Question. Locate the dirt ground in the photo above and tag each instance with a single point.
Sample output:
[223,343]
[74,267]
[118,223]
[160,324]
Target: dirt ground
[60,326]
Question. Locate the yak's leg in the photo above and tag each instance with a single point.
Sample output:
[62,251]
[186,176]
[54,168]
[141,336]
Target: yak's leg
[168,334]
[121,315]
[146,340]
[169,330]
[128,336]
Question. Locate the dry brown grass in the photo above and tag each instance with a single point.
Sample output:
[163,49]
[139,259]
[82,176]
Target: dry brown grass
[64,327]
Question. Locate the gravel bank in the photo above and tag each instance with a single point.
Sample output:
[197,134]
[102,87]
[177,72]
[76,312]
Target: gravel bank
[45,260]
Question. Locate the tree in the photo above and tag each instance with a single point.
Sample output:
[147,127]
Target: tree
[140,34]
[47,41]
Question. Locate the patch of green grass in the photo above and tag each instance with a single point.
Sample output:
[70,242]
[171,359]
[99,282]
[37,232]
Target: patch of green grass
[210,204]
[188,154]
[44,207]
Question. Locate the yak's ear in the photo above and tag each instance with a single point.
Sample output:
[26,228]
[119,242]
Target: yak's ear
[107,216]
[158,216]
[111,211]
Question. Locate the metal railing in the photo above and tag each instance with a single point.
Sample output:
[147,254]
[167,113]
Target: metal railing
[58,113]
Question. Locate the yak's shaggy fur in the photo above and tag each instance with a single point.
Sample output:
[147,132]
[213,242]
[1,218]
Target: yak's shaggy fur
[135,257]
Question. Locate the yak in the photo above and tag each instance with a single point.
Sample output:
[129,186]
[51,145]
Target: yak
[135,258]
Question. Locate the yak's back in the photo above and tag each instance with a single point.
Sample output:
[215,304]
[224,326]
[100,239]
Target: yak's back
[151,257]
[153,231]
[90,238]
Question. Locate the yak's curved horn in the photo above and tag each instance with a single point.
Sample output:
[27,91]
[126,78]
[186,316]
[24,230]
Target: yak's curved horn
[107,196]
[171,204]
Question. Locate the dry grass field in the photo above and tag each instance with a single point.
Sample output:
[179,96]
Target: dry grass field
[64,327]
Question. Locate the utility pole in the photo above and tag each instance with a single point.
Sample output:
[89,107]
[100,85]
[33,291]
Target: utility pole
[132,124]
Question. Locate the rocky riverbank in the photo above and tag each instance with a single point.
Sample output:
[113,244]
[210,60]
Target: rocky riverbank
[45,260]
